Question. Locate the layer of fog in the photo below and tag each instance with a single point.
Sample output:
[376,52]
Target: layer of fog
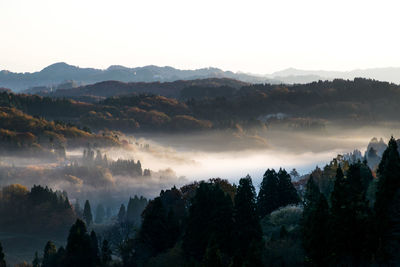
[180,159]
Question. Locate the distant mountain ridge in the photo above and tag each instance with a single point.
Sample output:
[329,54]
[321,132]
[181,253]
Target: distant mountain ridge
[59,73]
[292,75]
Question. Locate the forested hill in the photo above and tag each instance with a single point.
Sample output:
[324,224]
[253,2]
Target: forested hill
[361,101]
[168,89]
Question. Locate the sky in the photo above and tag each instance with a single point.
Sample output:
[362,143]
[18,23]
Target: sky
[246,35]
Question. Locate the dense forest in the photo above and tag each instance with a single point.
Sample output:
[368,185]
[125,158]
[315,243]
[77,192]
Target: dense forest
[22,132]
[204,107]
[352,222]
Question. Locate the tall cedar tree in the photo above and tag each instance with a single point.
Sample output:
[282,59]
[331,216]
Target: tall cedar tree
[79,252]
[387,215]
[2,258]
[94,242]
[155,231]
[349,213]
[287,191]
[210,217]
[247,225]
[268,196]
[49,255]
[87,213]
[339,203]
[358,180]
[315,225]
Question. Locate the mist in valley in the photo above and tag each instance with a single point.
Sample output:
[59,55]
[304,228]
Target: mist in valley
[175,160]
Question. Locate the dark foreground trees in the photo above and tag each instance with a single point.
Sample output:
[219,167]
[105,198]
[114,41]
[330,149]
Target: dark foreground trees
[248,237]
[276,191]
[214,223]
[82,249]
[354,230]
[387,206]
[210,224]
[315,225]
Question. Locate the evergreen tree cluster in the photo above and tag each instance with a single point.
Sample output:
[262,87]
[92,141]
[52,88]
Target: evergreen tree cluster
[82,250]
[118,167]
[349,230]
[39,210]
[276,191]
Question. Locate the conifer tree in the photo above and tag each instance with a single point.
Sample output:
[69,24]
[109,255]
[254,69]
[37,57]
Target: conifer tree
[349,213]
[154,232]
[36,260]
[95,247]
[87,213]
[79,247]
[339,203]
[247,225]
[49,255]
[268,196]
[210,216]
[387,217]
[315,225]
[287,191]
[131,210]
[311,195]
[315,231]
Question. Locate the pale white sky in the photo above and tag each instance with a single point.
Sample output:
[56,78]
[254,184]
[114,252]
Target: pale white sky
[246,35]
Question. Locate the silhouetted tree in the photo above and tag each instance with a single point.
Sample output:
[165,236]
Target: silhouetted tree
[268,196]
[36,260]
[131,210]
[49,255]
[349,214]
[87,213]
[94,243]
[79,248]
[210,216]
[247,225]
[387,215]
[157,231]
[287,192]
[315,225]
